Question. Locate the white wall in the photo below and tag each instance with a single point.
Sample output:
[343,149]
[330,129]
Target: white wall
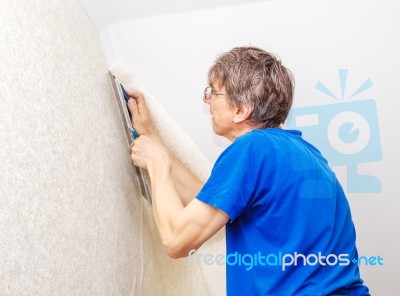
[171,55]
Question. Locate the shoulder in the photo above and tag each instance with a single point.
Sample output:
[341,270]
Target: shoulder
[260,140]
[252,139]
[247,143]
[248,149]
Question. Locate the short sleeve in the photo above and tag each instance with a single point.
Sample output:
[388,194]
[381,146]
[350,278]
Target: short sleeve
[233,179]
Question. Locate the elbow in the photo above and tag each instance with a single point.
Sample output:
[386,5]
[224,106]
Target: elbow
[175,254]
[176,250]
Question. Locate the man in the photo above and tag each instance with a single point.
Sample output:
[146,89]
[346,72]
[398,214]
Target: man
[281,203]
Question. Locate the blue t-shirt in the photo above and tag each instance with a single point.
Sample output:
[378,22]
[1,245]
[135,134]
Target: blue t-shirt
[290,230]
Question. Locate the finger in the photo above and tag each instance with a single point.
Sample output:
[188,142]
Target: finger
[133,158]
[133,154]
[140,100]
[141,104]
[133,108]
[134,94]
[136,145]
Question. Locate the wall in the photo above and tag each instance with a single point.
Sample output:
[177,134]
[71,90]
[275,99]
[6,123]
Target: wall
[72,220]
[315,39]
[66,186]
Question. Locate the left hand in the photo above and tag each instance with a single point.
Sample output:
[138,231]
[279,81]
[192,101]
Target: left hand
[149,153]
[141,118]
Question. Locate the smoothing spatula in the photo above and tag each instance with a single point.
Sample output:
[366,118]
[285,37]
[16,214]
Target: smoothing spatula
[122,98]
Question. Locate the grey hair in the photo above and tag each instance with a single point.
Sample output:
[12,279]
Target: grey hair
[255,78]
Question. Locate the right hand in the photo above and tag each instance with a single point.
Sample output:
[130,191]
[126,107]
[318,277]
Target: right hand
[149,153]
[141,119]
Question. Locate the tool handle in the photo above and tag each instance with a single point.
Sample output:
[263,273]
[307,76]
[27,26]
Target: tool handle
[127,97]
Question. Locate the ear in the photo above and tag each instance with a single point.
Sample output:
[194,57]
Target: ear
[242,113]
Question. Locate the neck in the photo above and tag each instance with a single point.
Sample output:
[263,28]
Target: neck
[239,131]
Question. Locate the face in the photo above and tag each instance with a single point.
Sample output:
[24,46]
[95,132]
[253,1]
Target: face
[222,113]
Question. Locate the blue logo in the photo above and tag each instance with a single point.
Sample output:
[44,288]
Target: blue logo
[346,132]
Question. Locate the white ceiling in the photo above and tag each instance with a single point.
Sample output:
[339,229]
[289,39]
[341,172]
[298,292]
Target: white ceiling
[104,12]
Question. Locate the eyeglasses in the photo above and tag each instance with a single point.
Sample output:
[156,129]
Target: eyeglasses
[209,92]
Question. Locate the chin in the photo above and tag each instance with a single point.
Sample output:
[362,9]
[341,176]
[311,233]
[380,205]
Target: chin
[218,132]
[215,130]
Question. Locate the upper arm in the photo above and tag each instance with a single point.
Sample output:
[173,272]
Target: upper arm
[186,183]
[196,223]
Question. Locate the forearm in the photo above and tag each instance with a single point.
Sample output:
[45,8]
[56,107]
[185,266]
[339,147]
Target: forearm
[181,228]
[187,185]
[166,203]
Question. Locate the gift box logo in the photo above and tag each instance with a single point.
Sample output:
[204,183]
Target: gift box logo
[346,132]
